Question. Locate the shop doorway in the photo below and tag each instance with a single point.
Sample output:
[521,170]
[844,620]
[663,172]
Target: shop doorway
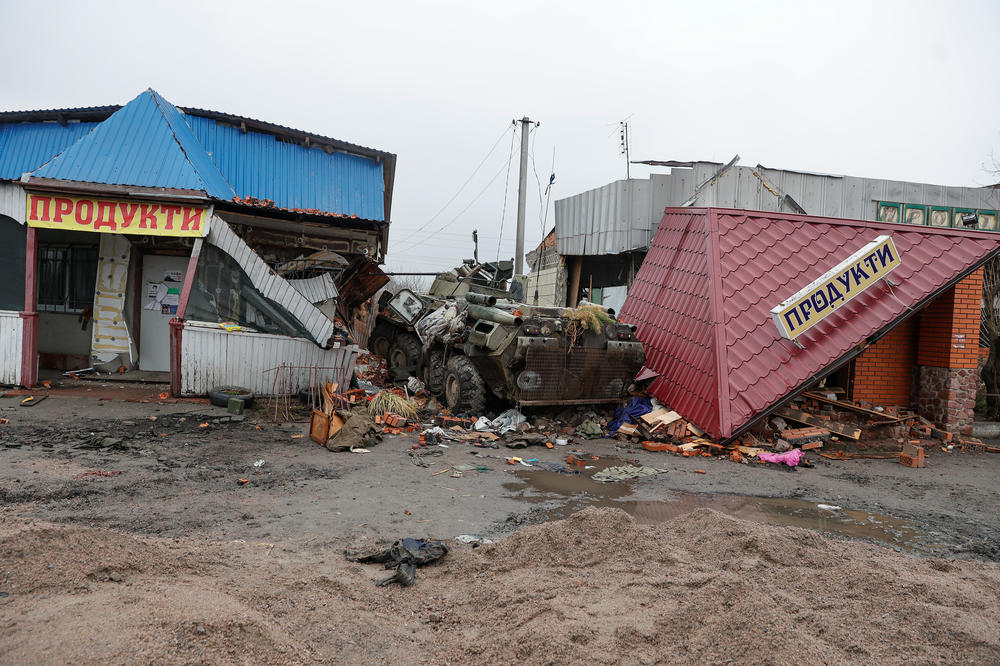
[162,280]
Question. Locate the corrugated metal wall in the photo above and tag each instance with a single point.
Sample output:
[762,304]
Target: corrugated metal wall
[11,337]
[13,201]
[316,290]
[608,220]
[291,175]
[624,215]
[211,356]
[27,146]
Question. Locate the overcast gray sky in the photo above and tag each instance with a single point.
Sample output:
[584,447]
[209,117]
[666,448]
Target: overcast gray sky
[903,90]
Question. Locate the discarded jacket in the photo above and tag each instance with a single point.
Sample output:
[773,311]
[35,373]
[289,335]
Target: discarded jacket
[405,556]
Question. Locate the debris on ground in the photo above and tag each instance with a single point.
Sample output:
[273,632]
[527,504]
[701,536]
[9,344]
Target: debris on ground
[404,556]
[625,473]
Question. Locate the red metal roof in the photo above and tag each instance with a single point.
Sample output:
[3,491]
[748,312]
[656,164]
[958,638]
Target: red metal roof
[703,296]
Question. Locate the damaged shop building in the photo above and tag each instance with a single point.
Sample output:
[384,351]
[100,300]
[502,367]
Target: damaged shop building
[742,311]
[928,360]
[152,239]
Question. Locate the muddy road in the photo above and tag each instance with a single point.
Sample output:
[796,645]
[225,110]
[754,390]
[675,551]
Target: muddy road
[191,470]
[138,532]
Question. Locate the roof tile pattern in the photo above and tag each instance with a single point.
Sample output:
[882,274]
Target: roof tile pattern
[703,296]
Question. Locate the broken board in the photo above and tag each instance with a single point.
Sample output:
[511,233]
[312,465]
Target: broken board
[804,417]
[819,397]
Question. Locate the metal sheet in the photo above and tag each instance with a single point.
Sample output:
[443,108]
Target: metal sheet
[12,201]
[11,338]
[703,296]
[211,356]
[145,143]
[268,282]
[624,215]
[25,146]
[553,376]
[291,175]
[316,290]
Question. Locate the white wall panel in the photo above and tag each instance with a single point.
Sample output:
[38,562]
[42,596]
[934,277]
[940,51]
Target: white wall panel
[11,339]
[212,356]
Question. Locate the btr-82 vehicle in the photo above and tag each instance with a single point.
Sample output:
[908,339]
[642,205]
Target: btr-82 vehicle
[470,336]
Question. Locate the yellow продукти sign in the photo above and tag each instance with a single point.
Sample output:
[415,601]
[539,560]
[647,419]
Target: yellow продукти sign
[824,296]
[54,211]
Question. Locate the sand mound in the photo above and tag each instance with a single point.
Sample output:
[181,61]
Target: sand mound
[595,588]
[707,587]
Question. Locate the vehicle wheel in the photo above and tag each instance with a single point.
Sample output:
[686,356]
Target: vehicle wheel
[380,342]
[464,389]
[434,373]
[405,351]
[220,395]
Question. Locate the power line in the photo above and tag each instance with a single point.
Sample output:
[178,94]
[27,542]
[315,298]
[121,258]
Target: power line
[506,188]
[461,212]
[468,180]
[538,182]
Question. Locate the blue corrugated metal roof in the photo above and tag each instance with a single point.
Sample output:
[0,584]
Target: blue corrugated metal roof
[293,176]
[145,143]
[27,146]
[151,143]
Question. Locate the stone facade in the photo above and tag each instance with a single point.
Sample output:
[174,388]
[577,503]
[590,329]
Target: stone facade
[947,396]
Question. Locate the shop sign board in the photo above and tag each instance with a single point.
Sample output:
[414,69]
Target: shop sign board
[830,292]
[57,211]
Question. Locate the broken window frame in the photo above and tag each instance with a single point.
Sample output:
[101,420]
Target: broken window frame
[253,311]
[956,217]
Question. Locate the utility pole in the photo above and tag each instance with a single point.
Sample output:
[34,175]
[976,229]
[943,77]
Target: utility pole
[623,135]
[475,244]
[522,198]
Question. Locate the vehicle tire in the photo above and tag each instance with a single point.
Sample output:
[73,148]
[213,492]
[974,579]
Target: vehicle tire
[435,372]
[464,388]
[220,395]
[405,351]
[380,342]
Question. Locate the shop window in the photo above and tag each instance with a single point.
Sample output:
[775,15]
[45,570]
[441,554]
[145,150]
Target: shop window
[987,219]
[223,292]
[940,216]
[67,275]
[889,212]
[915,214]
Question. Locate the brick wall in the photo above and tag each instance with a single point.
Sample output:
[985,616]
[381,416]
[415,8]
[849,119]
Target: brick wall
[948,355]
[949,327]
[882,375]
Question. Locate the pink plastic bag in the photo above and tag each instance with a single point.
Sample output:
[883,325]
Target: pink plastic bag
[790,458]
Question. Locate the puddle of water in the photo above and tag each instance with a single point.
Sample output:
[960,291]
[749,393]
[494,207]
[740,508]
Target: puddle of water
[578,491]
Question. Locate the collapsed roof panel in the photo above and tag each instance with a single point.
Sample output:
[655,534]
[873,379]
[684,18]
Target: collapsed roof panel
[703,299]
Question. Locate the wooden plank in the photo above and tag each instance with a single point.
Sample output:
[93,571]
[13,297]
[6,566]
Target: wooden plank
[803,417]
[655,414]
[818,397]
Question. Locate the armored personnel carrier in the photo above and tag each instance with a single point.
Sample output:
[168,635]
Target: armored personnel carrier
[469,337]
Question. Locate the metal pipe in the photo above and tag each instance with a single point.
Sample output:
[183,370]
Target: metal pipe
[481,299]
[493,314]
